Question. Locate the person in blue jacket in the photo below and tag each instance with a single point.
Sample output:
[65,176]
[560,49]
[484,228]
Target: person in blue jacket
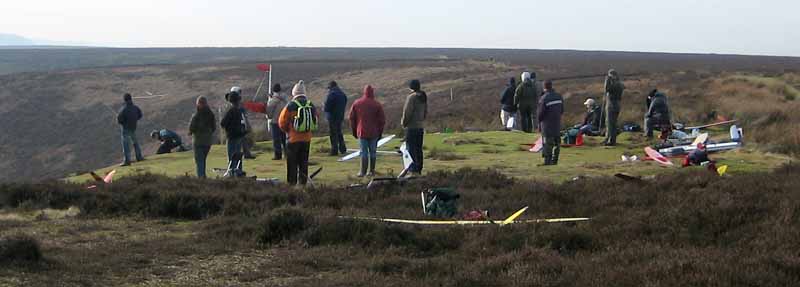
[335,105]
[169,141]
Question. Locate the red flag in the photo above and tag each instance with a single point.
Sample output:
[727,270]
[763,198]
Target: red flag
[263,67]
[256,107]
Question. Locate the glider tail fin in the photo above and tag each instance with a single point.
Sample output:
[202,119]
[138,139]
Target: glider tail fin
[514,216]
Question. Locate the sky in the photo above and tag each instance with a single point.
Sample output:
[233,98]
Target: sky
[767,27]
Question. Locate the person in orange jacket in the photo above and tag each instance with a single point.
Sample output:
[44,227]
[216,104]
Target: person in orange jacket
[298,148]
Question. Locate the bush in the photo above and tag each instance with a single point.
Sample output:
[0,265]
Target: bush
[283,224]
[19,250]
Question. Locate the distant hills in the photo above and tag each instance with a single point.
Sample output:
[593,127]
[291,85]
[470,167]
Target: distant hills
[15,40]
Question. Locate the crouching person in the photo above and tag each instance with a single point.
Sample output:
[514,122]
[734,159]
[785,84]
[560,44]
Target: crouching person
[201,128]
[699,157]
[551,107]
[169,141]
[298,120]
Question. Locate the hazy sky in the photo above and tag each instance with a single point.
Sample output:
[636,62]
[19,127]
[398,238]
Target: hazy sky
[767,27]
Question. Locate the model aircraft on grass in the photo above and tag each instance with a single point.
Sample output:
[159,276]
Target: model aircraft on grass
[150,96]
[102,180]
[401,178]
[357,153]
[509,220]
[736,142]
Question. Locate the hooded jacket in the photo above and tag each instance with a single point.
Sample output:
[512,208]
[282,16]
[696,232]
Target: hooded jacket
[593,117]
[234,122]
[551,107]
[128,116]
[614,89]
[659,113]
[335,105]
[527,93]
[415,110]
[286,119]
[366,116]
[202,127]
[275,106]
[507,98]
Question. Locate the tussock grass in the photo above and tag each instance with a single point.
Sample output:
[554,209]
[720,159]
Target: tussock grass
[20,250]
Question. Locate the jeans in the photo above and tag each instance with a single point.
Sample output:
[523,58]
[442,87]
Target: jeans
[527,114]
[167,146]
[278,140]
[128,137]
[369,154]
[587,130]
[414,141]
[235,154]
[505,116]
[200,156]
[297,162]
[337,138]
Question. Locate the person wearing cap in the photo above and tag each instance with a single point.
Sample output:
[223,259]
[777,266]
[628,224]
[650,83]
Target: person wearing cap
[201,128]
[591,122]
[367,121]
[551,108]
[335,104]
[235,125]
[699,157]
[526,97]
[658,116]
[127,118]
[415,111]
[299,146]
[169,140]
[277,101]
[507,108]
[613,96]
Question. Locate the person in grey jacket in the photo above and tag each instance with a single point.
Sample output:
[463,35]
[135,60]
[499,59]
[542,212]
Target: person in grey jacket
[414,113]
[201,128]
[658,116]
[614,89]
[551,107]
[525,99]
[277,101]
[127,118]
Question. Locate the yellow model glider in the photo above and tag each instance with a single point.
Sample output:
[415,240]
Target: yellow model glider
[509,220]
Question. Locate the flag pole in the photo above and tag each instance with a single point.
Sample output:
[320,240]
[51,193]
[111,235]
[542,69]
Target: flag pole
[270,80]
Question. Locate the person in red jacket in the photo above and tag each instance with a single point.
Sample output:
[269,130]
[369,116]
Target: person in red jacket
[367,121]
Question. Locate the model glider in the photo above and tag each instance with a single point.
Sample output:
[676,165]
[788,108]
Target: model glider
[356,154]
[407,161]
[150,96]
[537,146]
[657,157]
[102,180]
[509,220]
[736,142]
[710,125]
[700,139]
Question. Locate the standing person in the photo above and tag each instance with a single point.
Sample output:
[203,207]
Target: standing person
[658,116]
[127,118]
[591,122]
[298,120]
[613,96]
[414,113]
[235,125]
[277,101]
[507,107]
[648,101]
[335,104]
[526,97]
[551,107]
[367,121]
[201,128]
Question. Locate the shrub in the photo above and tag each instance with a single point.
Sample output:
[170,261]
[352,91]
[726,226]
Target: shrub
[20,249]
[283,224]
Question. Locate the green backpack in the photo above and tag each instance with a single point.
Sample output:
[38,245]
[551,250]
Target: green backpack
[305,120]
[441,202]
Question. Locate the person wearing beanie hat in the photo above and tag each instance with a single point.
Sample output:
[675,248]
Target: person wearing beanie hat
[507,108]
[551,108]
[415,111]
[299,146]
[201,128]
[236,128]
[335,105]
[526,97]
[127,118]
[591,122]
[367,121]
[277,101]
[613,96]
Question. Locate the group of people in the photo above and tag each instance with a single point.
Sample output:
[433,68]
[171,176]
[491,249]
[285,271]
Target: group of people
[292,121]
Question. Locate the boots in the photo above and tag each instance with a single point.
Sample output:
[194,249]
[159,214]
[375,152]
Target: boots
[372,163]
[364,164]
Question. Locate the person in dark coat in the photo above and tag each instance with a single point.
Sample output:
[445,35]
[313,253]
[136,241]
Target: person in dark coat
[614,89]
[415,111]
[367,121]
[201,128]
[235,126]
[277,101]
[335,105]
[508,109]
[648,101]
[526,98]
[551,108]
[591,122]
[169,140]
[658,116]
[127,118]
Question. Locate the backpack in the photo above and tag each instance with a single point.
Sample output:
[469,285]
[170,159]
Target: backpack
[305,120]
[441,202]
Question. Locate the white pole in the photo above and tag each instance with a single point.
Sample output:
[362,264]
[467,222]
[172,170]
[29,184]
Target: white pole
[270,80]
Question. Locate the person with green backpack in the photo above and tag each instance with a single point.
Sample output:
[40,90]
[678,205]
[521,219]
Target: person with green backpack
[298,120]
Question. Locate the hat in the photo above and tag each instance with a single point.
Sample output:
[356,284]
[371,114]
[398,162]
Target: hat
[127,97]
[299,89]
[236,89]
[332,85]
[276,88]
[589,102]
[525,76]
[414,85]
[154,134]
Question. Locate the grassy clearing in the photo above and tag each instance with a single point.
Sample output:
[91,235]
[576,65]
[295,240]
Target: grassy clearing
[487,150]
